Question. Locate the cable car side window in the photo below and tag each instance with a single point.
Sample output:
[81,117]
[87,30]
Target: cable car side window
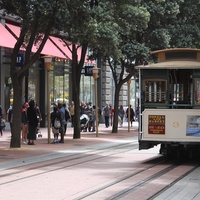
[197,91]
[155,91]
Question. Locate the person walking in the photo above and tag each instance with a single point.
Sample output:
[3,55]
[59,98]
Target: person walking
[10,116]
[121,114]
[71,111]
[111,115]
[93,118]
[32,122]
[1,118]
[39,116]
[67,117]
[55,115]
[82,108]
[1,112]
[106,113]
[132,115]
[24,121]
[63,122]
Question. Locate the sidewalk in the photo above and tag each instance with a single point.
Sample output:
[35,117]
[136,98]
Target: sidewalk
[42,146]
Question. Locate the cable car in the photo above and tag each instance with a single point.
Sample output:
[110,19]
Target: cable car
[169,103]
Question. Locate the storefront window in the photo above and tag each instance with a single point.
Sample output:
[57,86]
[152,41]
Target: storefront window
[33,83]
[87,89]
[59,83]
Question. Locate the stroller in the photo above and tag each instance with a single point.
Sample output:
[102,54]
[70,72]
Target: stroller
[84,119]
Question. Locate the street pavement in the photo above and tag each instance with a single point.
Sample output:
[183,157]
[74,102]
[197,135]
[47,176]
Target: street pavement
[186,188]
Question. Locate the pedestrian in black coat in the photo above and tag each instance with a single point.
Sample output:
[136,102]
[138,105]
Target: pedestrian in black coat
[32,122]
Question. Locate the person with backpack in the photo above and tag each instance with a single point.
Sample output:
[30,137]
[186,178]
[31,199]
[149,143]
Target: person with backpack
[55,124]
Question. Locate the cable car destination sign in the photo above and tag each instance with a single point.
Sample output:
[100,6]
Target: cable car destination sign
[156,124]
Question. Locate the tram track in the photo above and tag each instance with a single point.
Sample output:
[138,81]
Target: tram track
[174,182]
[139,178]
[68,161]
[140,186]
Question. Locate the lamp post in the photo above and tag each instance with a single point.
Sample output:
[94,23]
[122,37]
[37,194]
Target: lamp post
[129,108]
[47,62]
[95,76]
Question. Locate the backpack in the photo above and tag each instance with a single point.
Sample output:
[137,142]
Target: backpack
[57,123]
[67,116]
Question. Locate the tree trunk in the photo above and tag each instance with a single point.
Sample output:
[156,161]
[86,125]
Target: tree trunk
[116,107]
[76,95]
[76,78]
[17,109]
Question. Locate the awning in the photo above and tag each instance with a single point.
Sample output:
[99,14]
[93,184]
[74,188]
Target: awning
[48,49]
[54,46]
[6,38]
[62,46]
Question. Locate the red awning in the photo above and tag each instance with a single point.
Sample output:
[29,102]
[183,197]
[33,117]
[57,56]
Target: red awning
[54,46]
[62,46]
[49,47]
[6,38]
[52,50]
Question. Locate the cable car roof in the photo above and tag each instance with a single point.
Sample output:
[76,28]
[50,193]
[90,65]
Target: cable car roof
[176,58]
[174,50]
[172,65]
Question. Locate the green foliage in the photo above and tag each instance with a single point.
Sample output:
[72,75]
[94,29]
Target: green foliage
[185,29]
[36,15]
[162,13]
[172,24]
[121,32]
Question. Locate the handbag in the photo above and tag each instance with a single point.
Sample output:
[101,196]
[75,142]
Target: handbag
[57,123]
[3,123]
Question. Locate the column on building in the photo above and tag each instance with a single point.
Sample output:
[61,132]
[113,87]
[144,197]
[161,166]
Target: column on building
[108,89]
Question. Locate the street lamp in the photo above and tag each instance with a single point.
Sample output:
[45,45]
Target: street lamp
[129,108]
[95,71]
[47,62]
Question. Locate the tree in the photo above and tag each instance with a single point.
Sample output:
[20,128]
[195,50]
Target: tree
[131,38]
[172,24]
[121,50]
[98,25]
[84,23]
[38,19]
[184,30]
[162,14]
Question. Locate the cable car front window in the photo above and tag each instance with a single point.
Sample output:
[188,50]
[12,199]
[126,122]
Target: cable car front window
[178,92]
[155,91]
